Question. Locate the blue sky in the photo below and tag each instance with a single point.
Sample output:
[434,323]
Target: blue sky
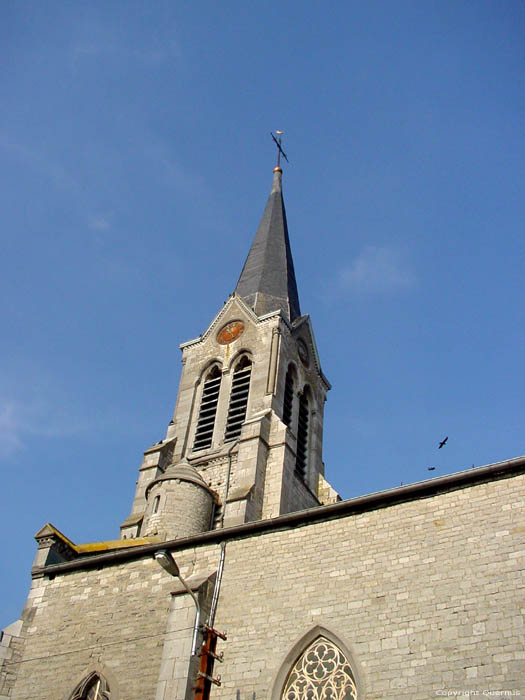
[137,163]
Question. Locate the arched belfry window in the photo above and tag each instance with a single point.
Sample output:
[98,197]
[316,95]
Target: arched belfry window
[322,672]
[93,687]
[208,409]
[238,398]
[288,395]
[301,459]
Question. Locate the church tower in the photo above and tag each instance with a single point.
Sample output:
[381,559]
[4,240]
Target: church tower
[245,442]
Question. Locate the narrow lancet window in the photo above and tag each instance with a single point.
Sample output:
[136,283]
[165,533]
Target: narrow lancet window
[156,504]
[301,460]
[288,396]
[208,410]
[238,399]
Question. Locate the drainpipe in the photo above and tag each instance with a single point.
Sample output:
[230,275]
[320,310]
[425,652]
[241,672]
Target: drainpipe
[217,588]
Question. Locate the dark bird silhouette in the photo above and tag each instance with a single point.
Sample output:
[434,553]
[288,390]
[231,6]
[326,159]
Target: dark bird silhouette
[431,469]
[443,442]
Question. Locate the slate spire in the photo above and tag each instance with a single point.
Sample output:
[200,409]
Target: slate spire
[267,282]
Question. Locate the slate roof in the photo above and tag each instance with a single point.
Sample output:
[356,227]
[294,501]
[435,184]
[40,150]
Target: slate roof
[267,282]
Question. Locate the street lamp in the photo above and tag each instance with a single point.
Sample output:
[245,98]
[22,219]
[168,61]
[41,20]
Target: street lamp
[169,564]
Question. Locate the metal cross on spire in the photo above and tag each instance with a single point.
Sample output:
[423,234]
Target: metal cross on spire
[279,149]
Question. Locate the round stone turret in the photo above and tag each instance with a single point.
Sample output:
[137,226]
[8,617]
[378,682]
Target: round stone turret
[179,503]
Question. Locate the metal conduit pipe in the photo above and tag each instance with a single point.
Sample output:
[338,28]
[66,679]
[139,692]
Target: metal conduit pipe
[217,588]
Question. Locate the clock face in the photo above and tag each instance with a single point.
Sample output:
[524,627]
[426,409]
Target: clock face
[303,352]
[230,332]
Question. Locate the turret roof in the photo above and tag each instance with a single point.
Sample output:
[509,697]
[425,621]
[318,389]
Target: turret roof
[267,282]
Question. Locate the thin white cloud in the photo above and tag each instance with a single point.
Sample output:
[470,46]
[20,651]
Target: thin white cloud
[21,420]
[10,429]
[171,169]
[377,269]
[35,404]
[41,163]
[105,44]
[99,223]
[88,50]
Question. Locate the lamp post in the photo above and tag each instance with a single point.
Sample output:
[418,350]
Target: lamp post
[168,563]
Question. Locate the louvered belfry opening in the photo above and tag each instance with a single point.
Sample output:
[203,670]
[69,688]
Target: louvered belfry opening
[288,396]
[238,399]
[301,460]
[208,411]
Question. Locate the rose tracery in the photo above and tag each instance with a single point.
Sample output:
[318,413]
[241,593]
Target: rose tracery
[322,672]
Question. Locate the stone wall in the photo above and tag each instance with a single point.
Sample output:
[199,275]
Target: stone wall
[121,620]
[11,652]
[426,595]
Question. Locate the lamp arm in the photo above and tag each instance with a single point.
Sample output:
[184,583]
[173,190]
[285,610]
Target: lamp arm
[197,616]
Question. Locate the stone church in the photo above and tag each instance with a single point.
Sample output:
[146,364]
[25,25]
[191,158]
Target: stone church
[241,574]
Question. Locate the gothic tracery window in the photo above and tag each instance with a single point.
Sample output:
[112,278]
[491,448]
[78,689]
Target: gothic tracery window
[93,692]
[94,687]
[322,672]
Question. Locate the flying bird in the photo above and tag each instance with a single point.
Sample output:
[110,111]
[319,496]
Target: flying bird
[443,442]
[431,469]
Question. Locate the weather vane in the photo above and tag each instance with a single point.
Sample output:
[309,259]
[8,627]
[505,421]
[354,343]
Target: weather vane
[279,149]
